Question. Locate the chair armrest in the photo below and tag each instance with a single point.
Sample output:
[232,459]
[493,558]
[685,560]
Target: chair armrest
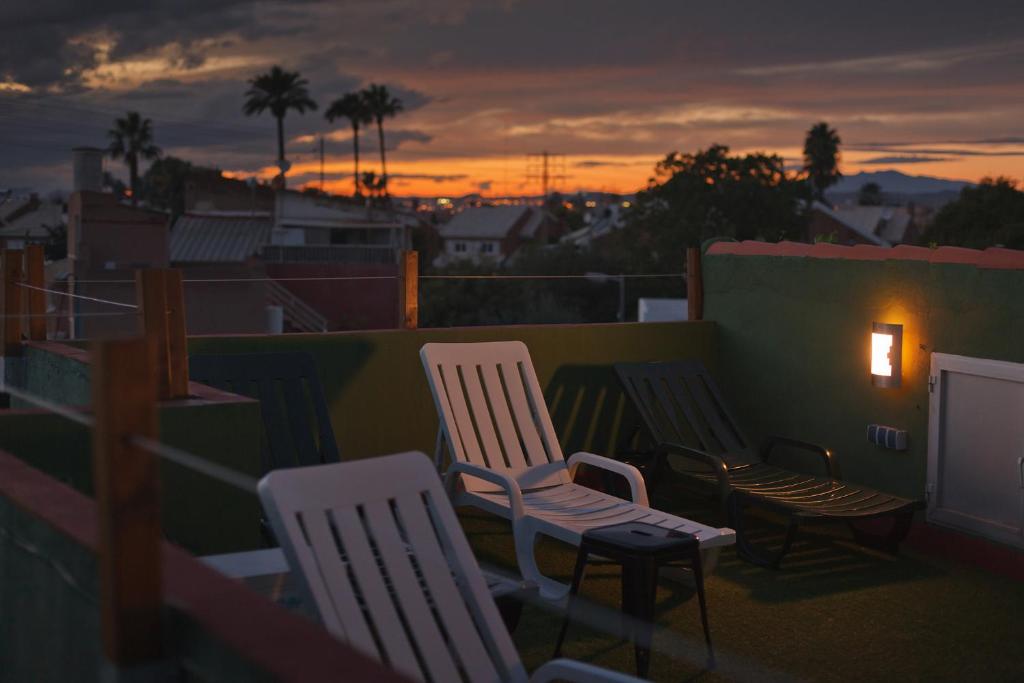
[578,672]
[637,487]
[831,466]
[511,488]
[707,458]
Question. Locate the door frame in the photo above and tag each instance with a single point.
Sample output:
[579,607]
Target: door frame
[942,363]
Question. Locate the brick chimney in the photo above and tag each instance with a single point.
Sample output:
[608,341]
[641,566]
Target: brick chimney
[87,165]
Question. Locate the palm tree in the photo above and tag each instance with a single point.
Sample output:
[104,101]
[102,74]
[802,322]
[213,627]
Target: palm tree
[381,104]
[278,90]
[131,138]
[353,107]
[821,158]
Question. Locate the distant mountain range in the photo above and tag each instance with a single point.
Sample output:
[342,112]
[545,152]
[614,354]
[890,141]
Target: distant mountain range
[894,182]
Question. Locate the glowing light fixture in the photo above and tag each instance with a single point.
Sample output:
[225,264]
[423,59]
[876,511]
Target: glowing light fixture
[886,354]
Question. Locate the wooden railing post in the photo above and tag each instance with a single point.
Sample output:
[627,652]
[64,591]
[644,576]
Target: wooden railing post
[127,498]
[12,298]
[161,304]
[694,285]
[35,272]
[408,291]
[177,336]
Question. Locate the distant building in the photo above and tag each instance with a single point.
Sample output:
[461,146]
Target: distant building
[491,234]
[600,221]
[882,226]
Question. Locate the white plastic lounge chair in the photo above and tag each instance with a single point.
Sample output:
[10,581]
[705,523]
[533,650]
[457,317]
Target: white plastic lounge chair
[382,556]
[507,460]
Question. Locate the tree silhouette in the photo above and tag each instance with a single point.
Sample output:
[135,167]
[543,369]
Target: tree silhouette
[821,158]
[381,105]
[278,90]
[353,107]
[986,215]
[870,194]
[131,138]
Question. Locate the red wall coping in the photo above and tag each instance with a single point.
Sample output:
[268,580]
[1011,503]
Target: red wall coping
[288,646]
[993,257]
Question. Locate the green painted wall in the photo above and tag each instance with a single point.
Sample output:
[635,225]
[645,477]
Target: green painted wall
[794,344]
[380,402]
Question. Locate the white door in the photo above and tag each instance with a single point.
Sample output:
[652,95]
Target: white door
[976,446]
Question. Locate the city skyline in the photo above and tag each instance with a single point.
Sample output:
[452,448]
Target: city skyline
[923,88]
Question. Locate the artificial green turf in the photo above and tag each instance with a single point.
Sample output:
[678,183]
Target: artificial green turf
[833,612]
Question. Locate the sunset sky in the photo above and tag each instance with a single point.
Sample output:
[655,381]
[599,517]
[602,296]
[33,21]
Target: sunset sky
[927,88]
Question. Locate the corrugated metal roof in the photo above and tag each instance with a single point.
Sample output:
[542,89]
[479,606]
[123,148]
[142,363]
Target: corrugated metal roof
[218,239]
[482,222]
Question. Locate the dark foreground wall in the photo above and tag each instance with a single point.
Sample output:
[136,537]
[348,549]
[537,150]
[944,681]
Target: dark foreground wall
[794,325]
[215,629]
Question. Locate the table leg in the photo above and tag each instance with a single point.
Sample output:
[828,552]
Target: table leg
[639,590]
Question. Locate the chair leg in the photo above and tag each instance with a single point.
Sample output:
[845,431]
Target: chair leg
[888,542]
[525,537]
[577,580]
[745,549]
[698,580]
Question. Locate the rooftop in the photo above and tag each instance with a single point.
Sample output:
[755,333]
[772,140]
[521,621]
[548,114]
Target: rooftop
[785,332]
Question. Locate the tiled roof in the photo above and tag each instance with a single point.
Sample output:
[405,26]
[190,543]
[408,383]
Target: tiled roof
[993,257]
[483,222]
[197,238]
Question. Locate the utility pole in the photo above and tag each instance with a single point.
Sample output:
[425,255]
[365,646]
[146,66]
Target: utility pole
[547,168]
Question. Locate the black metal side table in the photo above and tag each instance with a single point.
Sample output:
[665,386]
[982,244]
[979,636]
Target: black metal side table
[641,549]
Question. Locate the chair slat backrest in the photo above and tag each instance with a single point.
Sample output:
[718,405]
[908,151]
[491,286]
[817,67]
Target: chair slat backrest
[382,556]
[296,425]
[680,403]
[492,411]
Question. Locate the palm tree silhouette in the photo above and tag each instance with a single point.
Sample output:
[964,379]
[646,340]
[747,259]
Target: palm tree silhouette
[821,158]
[353,107]
[131,138]
[278,90]
[381,104]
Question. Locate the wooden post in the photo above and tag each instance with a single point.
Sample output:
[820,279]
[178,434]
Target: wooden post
[12,298]
[35,272]
[151,294]
[177,338]
[127,498]
[408,291]
[161,301]
[694,285]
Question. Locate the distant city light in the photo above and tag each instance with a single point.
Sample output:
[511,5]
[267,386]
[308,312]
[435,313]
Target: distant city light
[591,203]
[626,205]
[444,201]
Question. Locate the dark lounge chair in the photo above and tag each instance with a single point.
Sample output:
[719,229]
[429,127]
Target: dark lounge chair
[296,427]
[685,415]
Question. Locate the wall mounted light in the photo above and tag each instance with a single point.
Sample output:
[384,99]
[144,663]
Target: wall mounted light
[886,354]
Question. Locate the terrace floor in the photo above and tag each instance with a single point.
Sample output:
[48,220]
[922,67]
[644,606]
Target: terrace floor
[834,612]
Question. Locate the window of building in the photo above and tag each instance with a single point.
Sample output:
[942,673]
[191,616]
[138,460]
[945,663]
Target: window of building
[460,247]
[487,248]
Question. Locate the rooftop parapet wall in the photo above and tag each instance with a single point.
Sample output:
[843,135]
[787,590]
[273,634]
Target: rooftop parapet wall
[794,326]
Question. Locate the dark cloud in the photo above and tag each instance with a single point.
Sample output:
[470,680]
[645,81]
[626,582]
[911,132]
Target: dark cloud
[890,161]
[589,163]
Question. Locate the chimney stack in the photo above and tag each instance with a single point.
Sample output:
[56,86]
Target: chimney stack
[87,163]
